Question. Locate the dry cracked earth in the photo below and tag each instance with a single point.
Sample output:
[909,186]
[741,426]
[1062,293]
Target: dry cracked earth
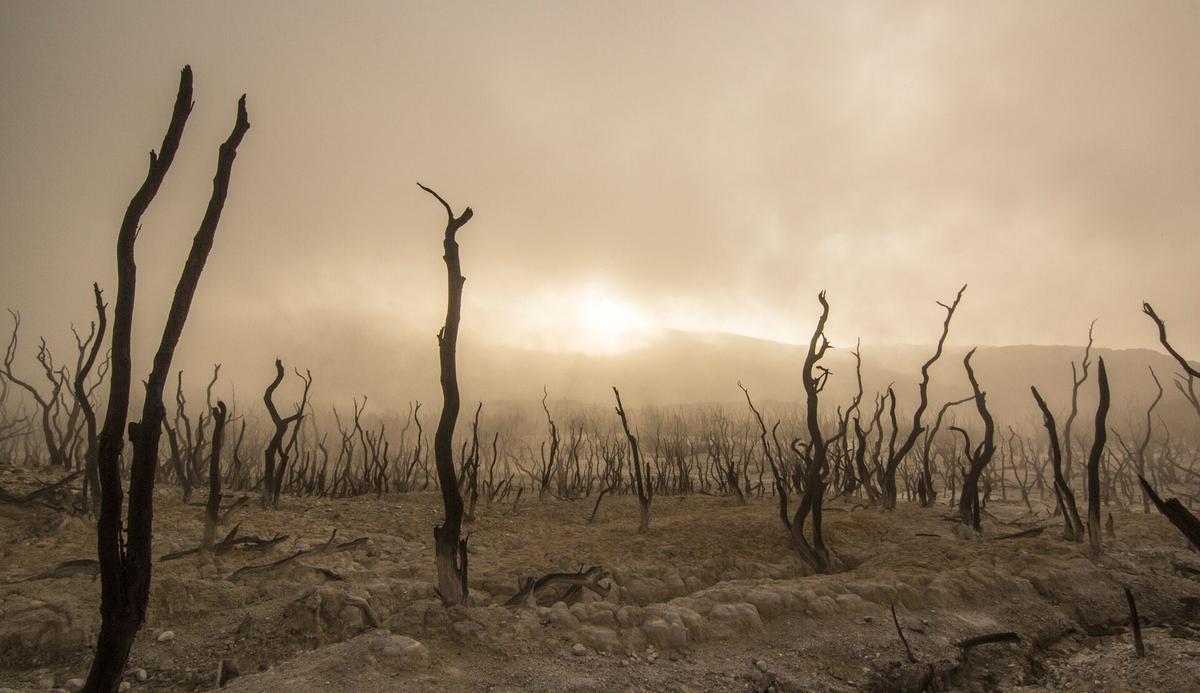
[710,599]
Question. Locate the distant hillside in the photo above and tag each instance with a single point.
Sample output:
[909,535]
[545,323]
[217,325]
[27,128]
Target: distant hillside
[675,367]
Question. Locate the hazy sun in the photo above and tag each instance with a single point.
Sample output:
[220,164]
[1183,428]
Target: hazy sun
[603,321]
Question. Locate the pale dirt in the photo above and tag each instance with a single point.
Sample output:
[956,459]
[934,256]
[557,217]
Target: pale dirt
[712,590]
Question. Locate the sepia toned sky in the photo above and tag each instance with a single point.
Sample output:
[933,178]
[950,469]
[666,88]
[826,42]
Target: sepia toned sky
[633,166]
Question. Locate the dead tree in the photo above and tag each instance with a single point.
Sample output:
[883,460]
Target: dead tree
[1186,387]
[979,456]
[450,549]
[48,404]
[1093,464]
[925,489]
[814,455]
[897,455]
[551,460]
[125,558]
[641,471]
[91,482]
[213,507]
[1139,457]
[275,458]
[1072,525]
[1079,376]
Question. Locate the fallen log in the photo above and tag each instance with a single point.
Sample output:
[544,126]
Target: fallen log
[230,542]
[1031,532]
[37,494]
[327,547]
[577,582]
[986,639]
[80,566]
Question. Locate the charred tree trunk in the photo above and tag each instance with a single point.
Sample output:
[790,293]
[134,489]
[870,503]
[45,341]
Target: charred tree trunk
[1073,526]
[212,509]
[91,482]
[896,456]
[815,456]
[1093,464]
[641,471]
[978,457]
[1187,384]
[125,560]
[451,551]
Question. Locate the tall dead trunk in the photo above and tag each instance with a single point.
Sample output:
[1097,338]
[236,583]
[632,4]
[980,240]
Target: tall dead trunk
[979,456]
[450,549]
[213,508]
[91,482]
[641,471]
[125,560]
[815,455]
[896,456]
[1073,526]
[1093,464]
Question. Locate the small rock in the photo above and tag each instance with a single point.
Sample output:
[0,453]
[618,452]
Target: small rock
[140,675]
[125,687]
[762,666]
[74,685]
[166,636]
[578,649]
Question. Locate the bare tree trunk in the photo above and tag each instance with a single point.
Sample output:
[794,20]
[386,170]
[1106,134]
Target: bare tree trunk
[451,551]
[1093,465]
[641,471]
[896,456]
[91,482]
[125,565]
[815,456]
[213,508]
[1073,529]
[968,501]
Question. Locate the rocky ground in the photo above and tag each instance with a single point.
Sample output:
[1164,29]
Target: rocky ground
[710,599]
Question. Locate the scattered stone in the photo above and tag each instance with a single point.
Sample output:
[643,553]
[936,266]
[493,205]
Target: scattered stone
[762,666]
[74,685]
[404,652]
[140,675]
[578,649]
[166,636]
[125,687]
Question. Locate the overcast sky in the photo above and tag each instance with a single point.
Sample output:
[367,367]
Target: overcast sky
[632,165]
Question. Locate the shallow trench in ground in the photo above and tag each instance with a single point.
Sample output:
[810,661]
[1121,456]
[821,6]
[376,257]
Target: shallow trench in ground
[711,598]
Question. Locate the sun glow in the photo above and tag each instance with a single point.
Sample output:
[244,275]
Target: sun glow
[587,317]
[603,321]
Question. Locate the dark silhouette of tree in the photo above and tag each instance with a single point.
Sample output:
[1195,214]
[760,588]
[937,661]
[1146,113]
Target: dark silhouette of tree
[979,456]
[814,455]
[897,455]
[1093,464]
[641,470]
[1073,526]
[451,551]
[125,560]
[212,508]
[1186,386]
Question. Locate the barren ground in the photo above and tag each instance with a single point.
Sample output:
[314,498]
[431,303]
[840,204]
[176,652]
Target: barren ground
[711,598]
